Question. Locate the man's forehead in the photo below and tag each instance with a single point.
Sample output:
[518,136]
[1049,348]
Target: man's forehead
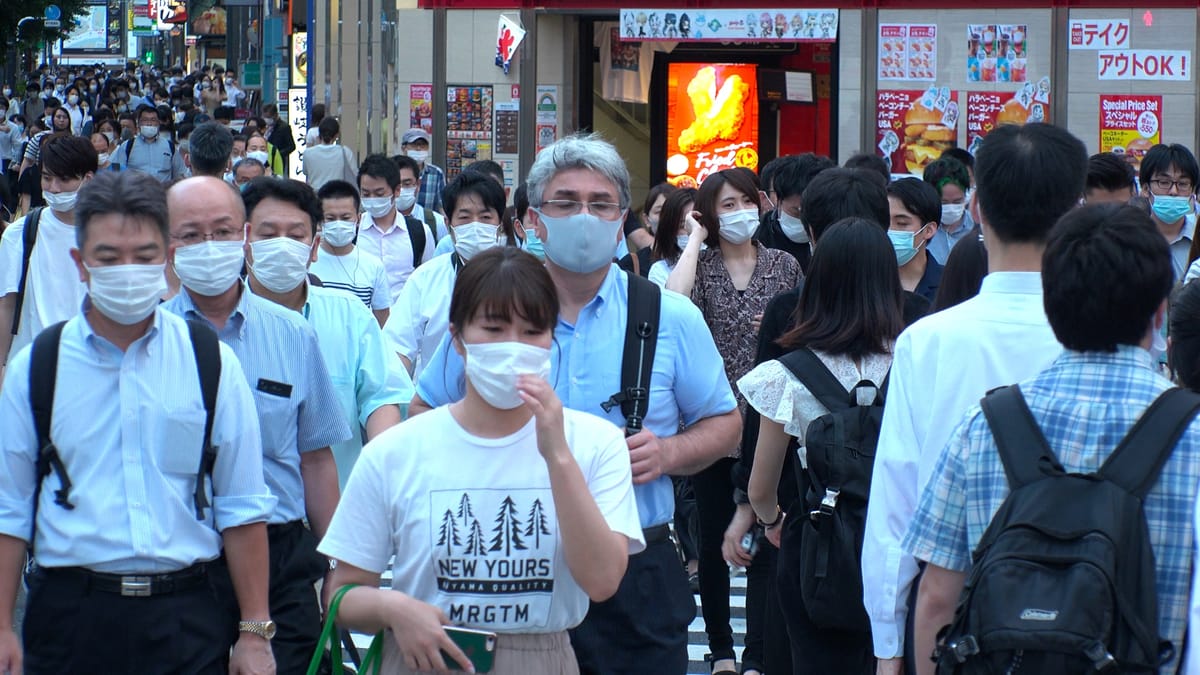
[581,181]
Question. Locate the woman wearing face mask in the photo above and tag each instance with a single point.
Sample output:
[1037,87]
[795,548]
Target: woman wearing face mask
[103,152]
[915,213]
[640,228]
[6,139]
[431,491]
[953,184]
[731,282]
[212,95]
[258,148]
[73,104]
[671,237]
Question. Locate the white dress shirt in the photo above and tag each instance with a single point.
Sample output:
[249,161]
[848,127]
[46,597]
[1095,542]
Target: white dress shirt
[421,315]
[392,248]
[943,365]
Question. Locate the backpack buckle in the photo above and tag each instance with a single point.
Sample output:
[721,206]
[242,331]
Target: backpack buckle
[1102,660]
[828,504]
[964,648]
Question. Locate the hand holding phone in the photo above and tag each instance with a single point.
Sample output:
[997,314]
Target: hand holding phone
[478,645]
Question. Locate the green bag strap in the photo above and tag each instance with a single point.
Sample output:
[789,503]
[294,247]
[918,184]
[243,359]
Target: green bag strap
[373,660]
[371,663]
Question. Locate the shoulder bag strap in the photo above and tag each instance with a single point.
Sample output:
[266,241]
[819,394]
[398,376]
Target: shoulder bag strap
[207,351]
[637,358]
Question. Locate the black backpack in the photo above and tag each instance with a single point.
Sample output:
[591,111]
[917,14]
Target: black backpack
[416,237]
[43,376]
[1063,580]
[840,447]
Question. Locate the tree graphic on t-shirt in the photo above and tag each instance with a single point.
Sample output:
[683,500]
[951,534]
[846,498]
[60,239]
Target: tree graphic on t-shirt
[537,523]
[464,508]
[448,535]
[507,529]
[476,542]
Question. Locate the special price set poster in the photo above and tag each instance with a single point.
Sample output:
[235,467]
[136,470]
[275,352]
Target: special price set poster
[907,51]
[1130,125]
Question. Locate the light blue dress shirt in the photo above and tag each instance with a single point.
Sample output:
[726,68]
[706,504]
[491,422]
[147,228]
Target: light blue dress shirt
[129,427]
[943,241]
[365,375]
[688,382]
[278,351]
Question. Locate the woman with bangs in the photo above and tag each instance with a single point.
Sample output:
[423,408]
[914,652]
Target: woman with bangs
[504,511]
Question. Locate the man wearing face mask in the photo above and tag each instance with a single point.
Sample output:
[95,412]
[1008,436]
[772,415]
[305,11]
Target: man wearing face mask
[293,395]
[398,242]
[950,178]
[1169,175]
[422,315]
[783,227]
[40,290]
[340,264]
[416,144]
[152,151]
[410,207]
[123,558]
[368,380]
[33,106]
[279,134]
[579,193]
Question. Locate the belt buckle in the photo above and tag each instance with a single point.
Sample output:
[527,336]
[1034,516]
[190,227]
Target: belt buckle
[135,587]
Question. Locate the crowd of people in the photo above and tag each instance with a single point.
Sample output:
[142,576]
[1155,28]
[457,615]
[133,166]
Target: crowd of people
[900,404]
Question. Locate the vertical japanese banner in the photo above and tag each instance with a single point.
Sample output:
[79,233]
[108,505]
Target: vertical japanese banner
[420,107]
[1130,125]
[297,107]
[914,127]
[712,120]
[987,110]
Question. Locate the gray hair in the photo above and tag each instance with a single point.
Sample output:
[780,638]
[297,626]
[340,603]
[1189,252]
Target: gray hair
[248,161]
[210,146]
[579,151]
[128,193]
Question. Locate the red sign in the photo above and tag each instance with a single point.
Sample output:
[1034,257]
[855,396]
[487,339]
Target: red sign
[1130,125]
[516,92]
[987,110]
[712,120]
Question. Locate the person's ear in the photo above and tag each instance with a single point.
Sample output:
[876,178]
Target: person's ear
[316,246]
[538,226]
[77,257]
[456,341]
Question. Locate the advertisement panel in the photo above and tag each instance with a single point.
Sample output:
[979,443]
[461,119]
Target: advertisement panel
[987,110]
[914,126]
[712,120]
[730,25]
[1130,125]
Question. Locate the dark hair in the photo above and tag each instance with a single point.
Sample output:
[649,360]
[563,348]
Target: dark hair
[852,303]
[128,193]
[918,198]
[487,167]
[670,223]
[328,129]
[794,172]
[482,186]
[270,109]
[766,173]
[293,192]
[1105,272]
[318,113]
[142,110]
[67,156]
[1108,172]
[223,112]
[869,161]
[945,170]
[339,189]
[210,147]
[835,194]
[378,166]
[1184,355]
[500,281]
[743,181]
[965,158]
[663,190]
[1160,158]
[403,162]
[963,274]
[520,202]
[1026,178]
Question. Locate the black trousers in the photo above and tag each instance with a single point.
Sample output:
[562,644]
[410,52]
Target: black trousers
[72,628]
[295,566]
[767,647]
[686,522]
[714,504]
[644,627]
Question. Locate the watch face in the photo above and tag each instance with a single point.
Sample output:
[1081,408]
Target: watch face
[269,629]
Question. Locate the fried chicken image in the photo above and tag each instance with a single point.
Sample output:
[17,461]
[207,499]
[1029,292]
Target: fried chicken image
[719,114]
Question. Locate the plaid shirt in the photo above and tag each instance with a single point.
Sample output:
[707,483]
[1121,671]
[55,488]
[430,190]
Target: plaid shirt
[1085,403]
[433,181]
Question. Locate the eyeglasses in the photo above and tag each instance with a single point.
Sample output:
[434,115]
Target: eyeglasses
[221,234]
[560,208]
[1165,184]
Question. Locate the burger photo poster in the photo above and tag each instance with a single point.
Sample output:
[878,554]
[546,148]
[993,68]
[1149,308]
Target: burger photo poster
[987,110]
[712,120]
[914,127]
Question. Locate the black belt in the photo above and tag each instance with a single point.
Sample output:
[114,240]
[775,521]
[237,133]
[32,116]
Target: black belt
[133,585]
[656,534]
[279,529]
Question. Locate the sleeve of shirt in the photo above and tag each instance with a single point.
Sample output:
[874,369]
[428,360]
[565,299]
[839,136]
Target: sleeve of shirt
[938,531]
[360,532]
[240,495]
[405,324]
[440,221]
[316,427]
[378,383]
[659,272]
[178,168]
[701,388]
[1192,658]
[12,263]
[381,295]
[610,480]
[887,570]
[443,379]
[18,450]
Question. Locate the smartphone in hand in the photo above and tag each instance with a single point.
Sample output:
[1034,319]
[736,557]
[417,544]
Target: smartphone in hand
[478,645]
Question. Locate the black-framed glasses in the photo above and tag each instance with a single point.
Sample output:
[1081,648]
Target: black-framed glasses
[1164,184]
[220,234]
[560,208]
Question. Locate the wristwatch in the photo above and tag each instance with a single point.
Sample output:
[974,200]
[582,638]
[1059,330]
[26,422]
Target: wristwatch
[263,629]
[778,517]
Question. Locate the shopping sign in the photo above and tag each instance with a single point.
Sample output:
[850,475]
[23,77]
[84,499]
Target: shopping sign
[1145,64]
[1099,34]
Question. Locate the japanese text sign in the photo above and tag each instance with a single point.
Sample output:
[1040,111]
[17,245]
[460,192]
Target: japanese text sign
[1145,64]
[1099,34]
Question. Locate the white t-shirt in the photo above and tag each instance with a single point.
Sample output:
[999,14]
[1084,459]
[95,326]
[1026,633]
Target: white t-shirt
[472,522]
[357,274]
[53,291]
[421,315]
[659,272]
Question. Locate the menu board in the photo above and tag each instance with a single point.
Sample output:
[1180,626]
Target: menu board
[468,126]
[907,51]
[507,123]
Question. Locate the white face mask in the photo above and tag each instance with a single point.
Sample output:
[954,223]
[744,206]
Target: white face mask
[127,294]
[406,198]
[378,207]
[148,131]
[738,226]
[581,243]
[103,158]
[419,155]
[492,369]
[112,138]
[472,238]
[60,201]
[280,263]
[211,267]
[952,213]
[338,233]
[73,99]
[793,228]
[260,155]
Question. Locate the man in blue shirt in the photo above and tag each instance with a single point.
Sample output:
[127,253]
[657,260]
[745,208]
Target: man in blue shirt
[292,395]
[151,151]
[579,193]
[125,542]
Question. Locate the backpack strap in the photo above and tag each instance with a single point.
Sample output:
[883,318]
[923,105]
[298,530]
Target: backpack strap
[817,379]
[1023,448]
[28,238]
[1139,458]
[431,221]
[637,359]
[207,350]
[43,378]
[129,150]
[416,235]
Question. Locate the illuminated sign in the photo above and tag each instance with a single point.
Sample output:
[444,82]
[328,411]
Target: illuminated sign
[712,120]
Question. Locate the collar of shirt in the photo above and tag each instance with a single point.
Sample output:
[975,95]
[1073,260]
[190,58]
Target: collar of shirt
[1023,283]
[397,224]
[1126,357]
[236,320]
[1188,231]
[604,296]
[102,346]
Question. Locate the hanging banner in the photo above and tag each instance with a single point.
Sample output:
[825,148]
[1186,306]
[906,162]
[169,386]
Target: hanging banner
[712,120]
[1099,34]
[1145,64]
[508,37]
[300,59]
[1130,124]
[297,111]
[914,127]
[730,25]
[987,110]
